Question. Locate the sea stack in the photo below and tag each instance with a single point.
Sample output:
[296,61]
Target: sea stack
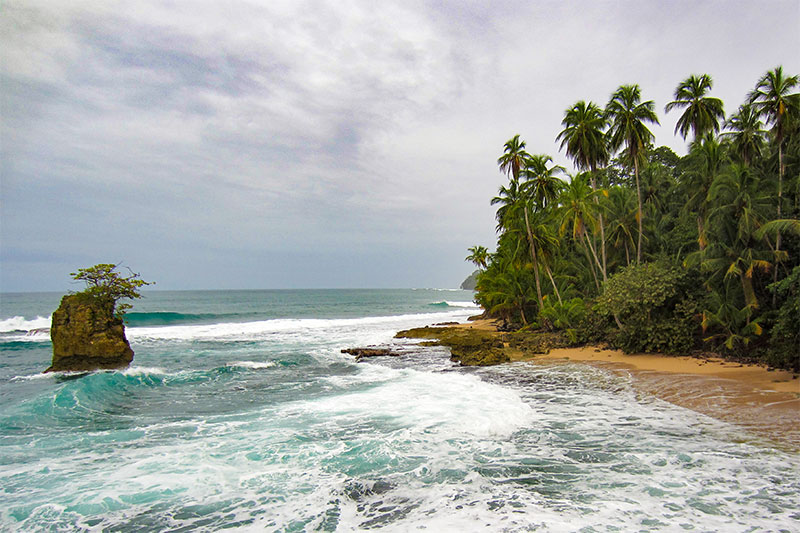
[87,335]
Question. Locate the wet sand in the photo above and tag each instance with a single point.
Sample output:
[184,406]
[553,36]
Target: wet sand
[763,401]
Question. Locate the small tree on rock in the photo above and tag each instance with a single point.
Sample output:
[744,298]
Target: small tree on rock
[105,284]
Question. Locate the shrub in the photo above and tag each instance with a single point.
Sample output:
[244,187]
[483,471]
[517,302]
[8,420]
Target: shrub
[784,350]
[655,306]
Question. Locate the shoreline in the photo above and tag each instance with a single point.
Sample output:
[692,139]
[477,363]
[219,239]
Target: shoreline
[764,401]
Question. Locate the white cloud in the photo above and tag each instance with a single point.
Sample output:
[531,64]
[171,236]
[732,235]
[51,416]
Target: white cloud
[302,126]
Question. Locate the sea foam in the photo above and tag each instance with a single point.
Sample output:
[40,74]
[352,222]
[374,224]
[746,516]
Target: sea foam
[20,323]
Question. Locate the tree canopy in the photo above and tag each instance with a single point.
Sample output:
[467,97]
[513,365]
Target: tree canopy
[105,284]
[647,250]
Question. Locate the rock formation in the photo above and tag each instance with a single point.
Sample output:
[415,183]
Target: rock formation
[87,336]
[360,353]
[469,283]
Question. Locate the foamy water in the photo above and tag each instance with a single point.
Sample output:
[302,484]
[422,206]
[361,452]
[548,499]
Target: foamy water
[264,425]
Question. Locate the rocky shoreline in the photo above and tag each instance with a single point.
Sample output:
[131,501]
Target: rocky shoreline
[763,400]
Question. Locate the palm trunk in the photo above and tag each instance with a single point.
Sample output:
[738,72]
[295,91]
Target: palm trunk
[594,253]
[639,212]
[778,237]
[749,294]
[591,266]
[701,235]
[555,287]
[535,261]
[627,254]
[603,269]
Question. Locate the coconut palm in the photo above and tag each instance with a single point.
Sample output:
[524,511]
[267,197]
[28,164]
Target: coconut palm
[579,213]
[584,138]
[773,98]
[541,184]
[702,114]
[516,201]
[507,197]
[513,158]
[707,160]
[746,133]
[621,220]
[628,115]
[478,255]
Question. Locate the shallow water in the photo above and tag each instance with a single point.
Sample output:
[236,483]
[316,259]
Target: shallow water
[240,412]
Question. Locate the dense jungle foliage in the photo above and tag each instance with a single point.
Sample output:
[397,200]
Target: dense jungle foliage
[649,251]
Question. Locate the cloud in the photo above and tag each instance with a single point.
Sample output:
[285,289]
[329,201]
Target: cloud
[145,129]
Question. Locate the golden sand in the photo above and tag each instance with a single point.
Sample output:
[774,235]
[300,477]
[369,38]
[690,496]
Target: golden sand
[762,400]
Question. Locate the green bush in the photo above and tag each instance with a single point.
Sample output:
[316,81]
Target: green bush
[784,350]
[656,306]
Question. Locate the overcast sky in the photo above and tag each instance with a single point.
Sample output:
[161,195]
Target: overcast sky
[317,144]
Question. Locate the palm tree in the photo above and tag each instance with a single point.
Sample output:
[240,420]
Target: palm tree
[516,199]
[585,141]
[513,158]
[478,255]
[702,114]
[622,218]
[707,159]
[628,115]
[579,211]
[774,100]
[747,133]
[739,207]
[541,183]
[507,197]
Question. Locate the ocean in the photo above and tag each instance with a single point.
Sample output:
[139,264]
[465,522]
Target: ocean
[240,413]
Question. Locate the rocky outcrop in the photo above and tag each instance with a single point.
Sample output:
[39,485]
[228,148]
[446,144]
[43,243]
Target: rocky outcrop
[471,281]
[360,353]
[470,347]
[478,347]
[87,336]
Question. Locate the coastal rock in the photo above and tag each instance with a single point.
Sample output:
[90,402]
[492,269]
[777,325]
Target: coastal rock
[369,352]
[87,336]
[471,281]
[470,347]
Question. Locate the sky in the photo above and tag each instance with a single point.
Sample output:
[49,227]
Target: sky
[315,144]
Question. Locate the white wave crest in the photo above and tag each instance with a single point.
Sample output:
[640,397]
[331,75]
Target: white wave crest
[288,328]
[252,364]
[32,377]
[470,305]
[144,371]
[20,323]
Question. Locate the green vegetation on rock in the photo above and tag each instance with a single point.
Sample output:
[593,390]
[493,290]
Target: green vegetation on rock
[87,329]
[477,347]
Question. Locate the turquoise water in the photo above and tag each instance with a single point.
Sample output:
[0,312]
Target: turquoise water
[239,412]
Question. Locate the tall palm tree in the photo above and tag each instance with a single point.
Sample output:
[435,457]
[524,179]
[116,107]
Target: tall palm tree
[579,211]
[628,115]
[621,220]
[507,196]
[738,212]
[513,158]
[541,183]
[517,199]
[585,141]
[702,114]
[478,255]
[746,133]
[707,159]
[773,98]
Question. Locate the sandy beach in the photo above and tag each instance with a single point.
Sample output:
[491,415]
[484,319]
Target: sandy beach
[762,400]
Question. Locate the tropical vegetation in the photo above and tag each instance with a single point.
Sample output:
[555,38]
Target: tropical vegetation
[646,250]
